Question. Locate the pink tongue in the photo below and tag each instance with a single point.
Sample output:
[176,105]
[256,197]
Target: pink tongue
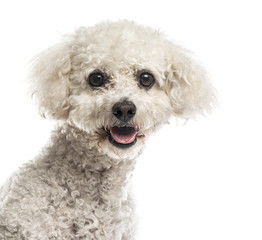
[123,135]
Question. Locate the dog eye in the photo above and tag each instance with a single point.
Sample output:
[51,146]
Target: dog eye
[96,79]
[146,80]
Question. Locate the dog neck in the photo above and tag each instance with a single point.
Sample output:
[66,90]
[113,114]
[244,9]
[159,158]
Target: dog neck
[103,179]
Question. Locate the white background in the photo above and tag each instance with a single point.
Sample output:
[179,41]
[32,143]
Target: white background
[202,180]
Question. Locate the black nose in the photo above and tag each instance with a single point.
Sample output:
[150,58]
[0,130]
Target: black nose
[124,111]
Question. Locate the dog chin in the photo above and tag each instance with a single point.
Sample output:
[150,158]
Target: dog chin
[119,152]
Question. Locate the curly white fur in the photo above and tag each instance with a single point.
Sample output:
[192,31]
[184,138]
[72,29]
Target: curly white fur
[78,187]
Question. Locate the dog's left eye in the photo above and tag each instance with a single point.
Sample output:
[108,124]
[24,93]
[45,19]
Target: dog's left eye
[146,80]
[96,79]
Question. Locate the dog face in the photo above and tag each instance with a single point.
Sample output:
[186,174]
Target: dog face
[119,108]
[118,82]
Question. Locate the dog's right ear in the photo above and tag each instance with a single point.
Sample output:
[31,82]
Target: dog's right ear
[49,78]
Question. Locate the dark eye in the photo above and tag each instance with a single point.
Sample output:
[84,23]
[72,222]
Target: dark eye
[96,79]
[146,80]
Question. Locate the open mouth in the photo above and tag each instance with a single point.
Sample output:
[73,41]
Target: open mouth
[123,137]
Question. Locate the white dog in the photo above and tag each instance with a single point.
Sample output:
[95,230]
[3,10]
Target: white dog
[110,86]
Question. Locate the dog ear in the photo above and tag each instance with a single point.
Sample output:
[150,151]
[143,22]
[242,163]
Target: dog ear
[49,80]
[187,85]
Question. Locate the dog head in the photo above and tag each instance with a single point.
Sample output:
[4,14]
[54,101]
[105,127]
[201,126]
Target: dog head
[118,82]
